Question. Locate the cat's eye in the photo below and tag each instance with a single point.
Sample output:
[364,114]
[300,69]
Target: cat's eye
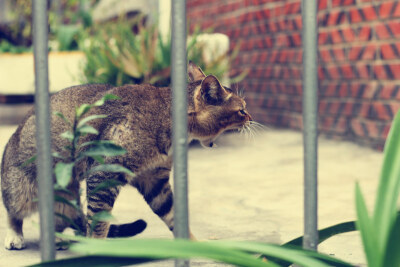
[242,112]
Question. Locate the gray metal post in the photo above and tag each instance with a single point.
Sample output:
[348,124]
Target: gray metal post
[310,122]
[43,138]
[179,118]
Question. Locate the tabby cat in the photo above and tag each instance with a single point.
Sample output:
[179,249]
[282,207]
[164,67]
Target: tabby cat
[139,121]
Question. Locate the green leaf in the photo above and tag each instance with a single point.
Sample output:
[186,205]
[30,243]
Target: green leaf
[90,118]
[87,129]
[59,114]
[82,110]
[167,249]
[325,233]
[63,173]
[114,168]
[392,255]
[57,155]
[389,185]
[99,159]
[294,255]
[70,222]
[104,185]
[68,135]
[71,203]
[104,99]
[105,149]
[96,143]
[102,216]
[99,261]
[28,161]
[367,231]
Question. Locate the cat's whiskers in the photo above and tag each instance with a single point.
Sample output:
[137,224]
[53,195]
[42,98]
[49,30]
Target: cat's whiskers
[251,130]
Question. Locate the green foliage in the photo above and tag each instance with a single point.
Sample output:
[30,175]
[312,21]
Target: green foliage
[116,55]
[380,232]
[7,47]
[76,151]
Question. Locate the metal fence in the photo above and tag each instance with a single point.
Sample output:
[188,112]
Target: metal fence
[179,80]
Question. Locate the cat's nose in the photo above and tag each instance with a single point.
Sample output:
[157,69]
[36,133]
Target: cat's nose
[250,118]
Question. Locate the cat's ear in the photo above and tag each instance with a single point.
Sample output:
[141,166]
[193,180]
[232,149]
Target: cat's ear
[194,72]
[212,91]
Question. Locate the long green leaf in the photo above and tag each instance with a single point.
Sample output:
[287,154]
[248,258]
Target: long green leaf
[67,202]
[59,114]
[392,255]
[389,185]
[90,118]
[104,99]
[367,231]
[96,143]
[28,161]
[68,135]
[99,261]
[105,149]
[326,233]
[63,173]
[104,185]
[87,129]
[167,249]
[114,168]
[82,110]
[295,255]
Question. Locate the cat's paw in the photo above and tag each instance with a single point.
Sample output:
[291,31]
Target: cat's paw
[62,244]
[14,241]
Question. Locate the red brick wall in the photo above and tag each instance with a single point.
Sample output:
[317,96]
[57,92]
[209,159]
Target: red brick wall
[359,61]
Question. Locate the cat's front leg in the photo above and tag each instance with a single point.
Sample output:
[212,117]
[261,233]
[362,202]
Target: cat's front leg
[153,184]
[98,201]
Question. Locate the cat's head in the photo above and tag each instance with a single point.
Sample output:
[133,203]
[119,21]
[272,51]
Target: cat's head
[213,108]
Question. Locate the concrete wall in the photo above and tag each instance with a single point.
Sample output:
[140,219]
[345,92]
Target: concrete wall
[359,61]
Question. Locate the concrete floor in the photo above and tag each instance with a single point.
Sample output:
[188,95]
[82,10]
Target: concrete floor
[247,190]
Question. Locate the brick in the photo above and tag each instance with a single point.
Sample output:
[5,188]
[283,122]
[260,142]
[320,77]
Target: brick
[364,33]
[333,72]
[348,35]
[347,71]
[325,55]
[323,38]
[336,3]
[382,31]
[335,18]
[355,15]
[380,72]
[354,53]
[358,128]
[294,40]
[386,9]
[336,37]
[322,4]
[390,51]
[339,54]
[394,27]
[364,110]
[396,11]
[369,13]
[395,71]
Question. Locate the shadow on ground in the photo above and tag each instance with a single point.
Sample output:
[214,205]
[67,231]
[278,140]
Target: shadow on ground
[247,190]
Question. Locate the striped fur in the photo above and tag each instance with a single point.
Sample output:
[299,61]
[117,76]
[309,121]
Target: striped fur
[140,122]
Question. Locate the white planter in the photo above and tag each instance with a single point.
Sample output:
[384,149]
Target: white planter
[17,72]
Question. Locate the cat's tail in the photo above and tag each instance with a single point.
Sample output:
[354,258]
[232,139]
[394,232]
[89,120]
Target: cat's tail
[126,230]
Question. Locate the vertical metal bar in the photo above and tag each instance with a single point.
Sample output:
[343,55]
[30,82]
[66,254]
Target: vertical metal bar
[43,138]
[310,121]
[179,118]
